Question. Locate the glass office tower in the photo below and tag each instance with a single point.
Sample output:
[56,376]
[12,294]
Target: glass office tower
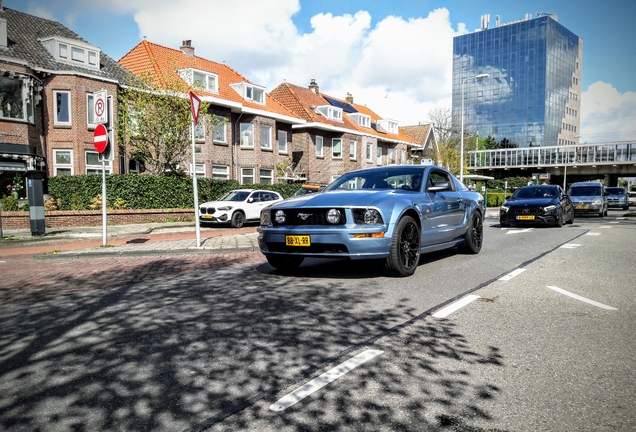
[532,96]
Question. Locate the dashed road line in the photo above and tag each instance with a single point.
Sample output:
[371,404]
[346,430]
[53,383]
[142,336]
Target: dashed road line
[605,226]
[583,299]
[592,234]
[317,383]
[443,313]
[570,246]
[512,274]
[519,231]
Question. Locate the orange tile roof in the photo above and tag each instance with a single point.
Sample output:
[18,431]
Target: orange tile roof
[161,64]
[418,133]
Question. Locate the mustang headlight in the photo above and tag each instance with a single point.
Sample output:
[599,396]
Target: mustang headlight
[266,218]
[549,208]
[333,216]
[280,217]
[372,216]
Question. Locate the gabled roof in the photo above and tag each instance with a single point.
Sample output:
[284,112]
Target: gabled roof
[303,102]
[419,133]
[159,61]
[24,35]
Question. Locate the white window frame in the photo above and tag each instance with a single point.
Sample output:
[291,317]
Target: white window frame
[361,120]
[246,135]
[331,112]
[391,156]
[266,136]
[378,156]
[266,174]
[220,124]
[56,121]
[246,174]
[335,155]
[282,141]
[90,112]
[369,152]
[57,166]
[220,172]
[391,126]
[97,167]
[199,170]
[211,83]
[352,149]
[250,92]
[320,146]
[199,130]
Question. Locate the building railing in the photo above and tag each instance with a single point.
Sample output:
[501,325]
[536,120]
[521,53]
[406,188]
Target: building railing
[622,152]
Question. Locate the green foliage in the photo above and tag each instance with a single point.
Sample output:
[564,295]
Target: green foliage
[9,203]
[495,199]
[490,143]
[513,183]
[146,191]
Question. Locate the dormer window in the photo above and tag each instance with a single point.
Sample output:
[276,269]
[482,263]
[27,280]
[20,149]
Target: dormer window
[361,119]
[390,126]
[73,52]
[331,112]
[250,92]
[200,79]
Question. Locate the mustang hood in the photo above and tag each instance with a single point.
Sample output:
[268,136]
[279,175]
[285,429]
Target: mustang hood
[344,198]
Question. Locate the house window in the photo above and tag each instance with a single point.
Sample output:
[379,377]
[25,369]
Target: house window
[205,81]
[247,135]
[77,54]
[247,175]
[62,107]
[266,176]
[391,156]
[266,137]
[319,146]
[90,112]
[378,158]
[369,152]
[72,51]
[135,166]
[391,126]
[361,119]
[282,141]
[11,98]
[199,130]
[336,148]
[220,172]
[250,92]
[63,51]
[332,113]
[219,129]
[92,58]
[94,164]
[352,149]
[63,162]
[200,170]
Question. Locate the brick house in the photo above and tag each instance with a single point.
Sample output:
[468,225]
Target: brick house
[424,135]
[340,135]
[48,75]
[254,134]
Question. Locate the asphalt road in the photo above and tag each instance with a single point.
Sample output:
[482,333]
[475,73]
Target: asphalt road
[186,343]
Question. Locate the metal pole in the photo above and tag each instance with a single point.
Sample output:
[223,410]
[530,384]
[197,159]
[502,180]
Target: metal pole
[104,224]
[461,146]
[196,191]
[565,175]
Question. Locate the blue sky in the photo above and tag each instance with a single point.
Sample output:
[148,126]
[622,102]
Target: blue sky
[394,56]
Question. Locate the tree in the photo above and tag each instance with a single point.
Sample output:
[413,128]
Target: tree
[155,123]
[491,143]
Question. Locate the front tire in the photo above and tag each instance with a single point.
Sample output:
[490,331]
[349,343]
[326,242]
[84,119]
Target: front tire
[404,255]
[474,237]
[559,220]
[238,219]
[285,262]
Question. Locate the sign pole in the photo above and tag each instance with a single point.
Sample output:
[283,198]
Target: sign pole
[104,224]
[195,103]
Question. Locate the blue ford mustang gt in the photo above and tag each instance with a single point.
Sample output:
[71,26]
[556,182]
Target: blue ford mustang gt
[393,213]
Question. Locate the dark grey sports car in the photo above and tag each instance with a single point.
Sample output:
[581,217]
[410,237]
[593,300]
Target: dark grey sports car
[392,213]
[547,204]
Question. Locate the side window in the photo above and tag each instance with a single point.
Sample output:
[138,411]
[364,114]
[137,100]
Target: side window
[435,177]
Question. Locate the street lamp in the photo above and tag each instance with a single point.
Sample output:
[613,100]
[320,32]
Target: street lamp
[461,149]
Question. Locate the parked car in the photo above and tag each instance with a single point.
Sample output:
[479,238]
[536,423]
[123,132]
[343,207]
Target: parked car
[545,204]
[631,199]
[589,197]
[393,213]
[617,197]
[308,188]
[237,207]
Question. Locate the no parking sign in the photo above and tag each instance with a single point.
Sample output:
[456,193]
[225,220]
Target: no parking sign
[100,109]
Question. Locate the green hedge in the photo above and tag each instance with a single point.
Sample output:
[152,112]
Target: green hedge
[147,191]
[495,199]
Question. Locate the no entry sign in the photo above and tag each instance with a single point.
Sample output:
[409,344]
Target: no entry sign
[100,138]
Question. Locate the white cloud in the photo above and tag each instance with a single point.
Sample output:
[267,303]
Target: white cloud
[607,115]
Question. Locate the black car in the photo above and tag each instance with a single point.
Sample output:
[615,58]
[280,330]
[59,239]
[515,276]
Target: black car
[546,204]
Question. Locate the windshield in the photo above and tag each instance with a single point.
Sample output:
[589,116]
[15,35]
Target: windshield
[616,191]
[235,196]
[407,178]
[586,191]
[535,192]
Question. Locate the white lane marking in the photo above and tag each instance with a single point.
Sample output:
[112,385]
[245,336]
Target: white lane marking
[605,226]
[520,231]
[614,222]
[570,246]
[443,313]
[512,274]
[620,218]
[317,383]
[3,262]
[583,299]
[593,234]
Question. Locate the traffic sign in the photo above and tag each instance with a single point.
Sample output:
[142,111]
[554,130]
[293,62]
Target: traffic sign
[100,138]
[195,103]
[100,109]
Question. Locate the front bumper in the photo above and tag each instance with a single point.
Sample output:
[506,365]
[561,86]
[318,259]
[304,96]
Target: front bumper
[546,219]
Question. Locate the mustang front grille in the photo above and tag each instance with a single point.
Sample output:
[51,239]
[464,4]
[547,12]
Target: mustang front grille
[308,217]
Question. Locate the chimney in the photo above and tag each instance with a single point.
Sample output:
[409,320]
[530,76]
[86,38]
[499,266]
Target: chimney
[349,98]
[187,48]
[313,86]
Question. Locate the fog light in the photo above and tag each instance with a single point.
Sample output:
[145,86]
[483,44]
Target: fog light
[333,216]
[280,217]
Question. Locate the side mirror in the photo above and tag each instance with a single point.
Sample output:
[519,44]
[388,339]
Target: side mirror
[250,200]
[439,186]
[507,197]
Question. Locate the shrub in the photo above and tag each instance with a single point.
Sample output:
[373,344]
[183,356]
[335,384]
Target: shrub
[77,203]
[51,204]
[119,204]
[96,203]
[9,203]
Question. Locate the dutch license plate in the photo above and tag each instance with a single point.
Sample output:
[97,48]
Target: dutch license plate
[525,217]
[581,207]
[206,216]
[297,240]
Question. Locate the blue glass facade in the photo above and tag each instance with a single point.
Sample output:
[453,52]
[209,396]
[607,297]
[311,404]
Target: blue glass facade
[532,94]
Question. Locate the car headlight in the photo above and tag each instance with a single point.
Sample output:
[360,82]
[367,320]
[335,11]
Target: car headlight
[504,209]
[226,208]
[280,217]
[596,202]
[266,218]
[333,216]
[549,208]
[372,216]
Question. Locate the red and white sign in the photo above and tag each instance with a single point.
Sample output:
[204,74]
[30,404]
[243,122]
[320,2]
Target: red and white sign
[100,110]
[195,104]
[100,138]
